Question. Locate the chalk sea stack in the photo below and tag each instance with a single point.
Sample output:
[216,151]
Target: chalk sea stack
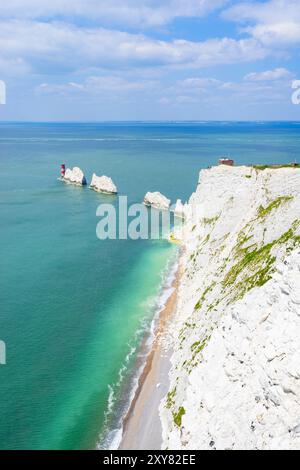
[180,209]
[103,184]
[157,200]
[74,176]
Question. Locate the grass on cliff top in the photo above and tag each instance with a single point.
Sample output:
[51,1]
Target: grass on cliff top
[276,167]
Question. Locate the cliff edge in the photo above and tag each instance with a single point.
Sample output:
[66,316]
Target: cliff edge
[235,376]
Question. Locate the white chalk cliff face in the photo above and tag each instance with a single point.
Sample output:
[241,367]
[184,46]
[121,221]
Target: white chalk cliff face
[75,176]
[103,184]
[157,200]
[235,376]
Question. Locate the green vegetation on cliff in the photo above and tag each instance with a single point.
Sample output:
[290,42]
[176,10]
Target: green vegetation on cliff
[256,264]
[264,211]
[178,416]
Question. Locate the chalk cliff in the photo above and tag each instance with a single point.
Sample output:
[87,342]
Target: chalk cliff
[103,184]
[235,376]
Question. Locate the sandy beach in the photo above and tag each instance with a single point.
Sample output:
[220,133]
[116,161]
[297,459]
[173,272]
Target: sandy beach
[142,428]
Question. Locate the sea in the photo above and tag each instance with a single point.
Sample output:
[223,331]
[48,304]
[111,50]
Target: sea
[74,309]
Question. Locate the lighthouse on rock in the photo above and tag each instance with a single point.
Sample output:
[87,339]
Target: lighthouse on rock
[62,170]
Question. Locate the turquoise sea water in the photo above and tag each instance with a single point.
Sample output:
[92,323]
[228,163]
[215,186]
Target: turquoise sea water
[75,309]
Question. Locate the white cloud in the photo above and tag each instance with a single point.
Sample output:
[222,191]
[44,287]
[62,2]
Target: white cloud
[11,67]
[56,46]
[269,75]
[129,12]
[284,33]
[203,90]
[199,83]
[61,89]
[164,100]
[276,22]
[98,85]
[271,11]
[262,87]
[190,89]
[116,84]
[184,99]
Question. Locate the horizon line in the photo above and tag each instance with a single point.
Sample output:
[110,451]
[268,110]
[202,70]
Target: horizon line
[149,121]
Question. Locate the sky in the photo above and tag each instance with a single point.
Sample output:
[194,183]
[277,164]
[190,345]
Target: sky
[102,60]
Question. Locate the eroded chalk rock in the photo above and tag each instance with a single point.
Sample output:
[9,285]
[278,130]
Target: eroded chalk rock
[180,209]
[157,200]
[75,176]
[103,184]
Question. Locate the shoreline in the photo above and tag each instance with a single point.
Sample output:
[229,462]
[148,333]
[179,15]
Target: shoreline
[141,425]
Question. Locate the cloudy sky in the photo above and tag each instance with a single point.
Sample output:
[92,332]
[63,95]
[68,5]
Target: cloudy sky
[149,59]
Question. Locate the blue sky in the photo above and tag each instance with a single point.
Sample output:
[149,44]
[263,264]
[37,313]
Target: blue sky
[93,60]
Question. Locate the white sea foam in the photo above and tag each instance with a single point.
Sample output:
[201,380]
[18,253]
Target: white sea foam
[113,437]
[111,399]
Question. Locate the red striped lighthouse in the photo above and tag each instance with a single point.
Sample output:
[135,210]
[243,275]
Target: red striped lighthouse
[62,170]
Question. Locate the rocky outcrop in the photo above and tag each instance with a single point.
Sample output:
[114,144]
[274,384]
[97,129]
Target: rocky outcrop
[157,200]
[180,209]
[75,176]
[103,184]
[235,376]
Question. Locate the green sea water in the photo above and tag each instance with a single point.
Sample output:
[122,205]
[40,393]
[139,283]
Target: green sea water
[74,309]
